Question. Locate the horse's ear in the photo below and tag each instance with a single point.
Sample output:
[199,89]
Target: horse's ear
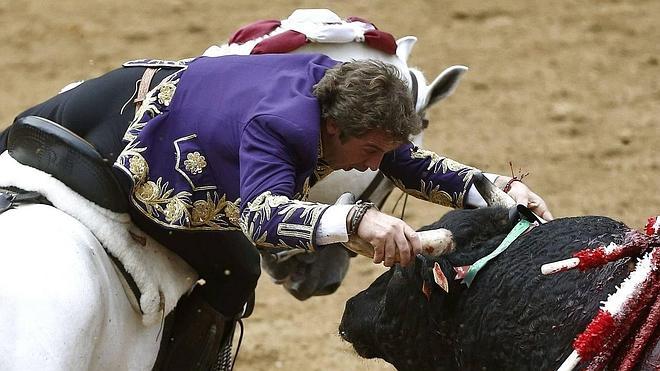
[404,47]
[445,84]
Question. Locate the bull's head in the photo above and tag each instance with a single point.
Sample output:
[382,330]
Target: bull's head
[394,319]
[403,317]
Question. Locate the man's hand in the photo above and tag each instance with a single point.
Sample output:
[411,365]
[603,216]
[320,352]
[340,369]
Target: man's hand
[524,196]
[389,236]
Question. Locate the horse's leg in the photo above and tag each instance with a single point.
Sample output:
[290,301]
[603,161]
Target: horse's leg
[62,304]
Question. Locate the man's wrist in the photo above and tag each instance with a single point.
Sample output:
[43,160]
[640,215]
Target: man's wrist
[349,217]
[507,186]
[356,214]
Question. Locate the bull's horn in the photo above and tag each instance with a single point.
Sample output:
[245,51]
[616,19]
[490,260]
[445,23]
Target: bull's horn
[435,242]
[491,194]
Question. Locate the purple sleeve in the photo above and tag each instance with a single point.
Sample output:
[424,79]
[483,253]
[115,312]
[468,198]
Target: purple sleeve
[269,163]
[428,176]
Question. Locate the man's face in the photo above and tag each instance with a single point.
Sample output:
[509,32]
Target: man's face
[365,152]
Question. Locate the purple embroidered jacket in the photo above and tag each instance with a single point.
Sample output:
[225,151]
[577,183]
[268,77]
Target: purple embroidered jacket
[233,143]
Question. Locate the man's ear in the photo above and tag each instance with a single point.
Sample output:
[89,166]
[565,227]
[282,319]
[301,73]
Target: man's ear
[331,127]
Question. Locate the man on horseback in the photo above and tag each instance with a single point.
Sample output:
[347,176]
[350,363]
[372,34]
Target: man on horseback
[219,156]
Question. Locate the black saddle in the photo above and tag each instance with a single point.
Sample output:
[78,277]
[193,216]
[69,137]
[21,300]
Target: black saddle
[52,148]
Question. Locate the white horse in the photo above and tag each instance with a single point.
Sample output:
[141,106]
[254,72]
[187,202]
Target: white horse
[63,303]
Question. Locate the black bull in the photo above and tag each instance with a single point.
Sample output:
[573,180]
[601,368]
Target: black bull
[510,318]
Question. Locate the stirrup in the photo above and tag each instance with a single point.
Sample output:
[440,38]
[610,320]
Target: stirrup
[225,360]
[197,337]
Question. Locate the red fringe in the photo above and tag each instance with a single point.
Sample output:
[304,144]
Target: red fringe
[629,321]
[642,338]
[649,226]
[591,341]
[603,335]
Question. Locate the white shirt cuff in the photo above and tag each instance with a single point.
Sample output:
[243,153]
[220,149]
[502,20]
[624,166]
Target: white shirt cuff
[332,226]
[473,197]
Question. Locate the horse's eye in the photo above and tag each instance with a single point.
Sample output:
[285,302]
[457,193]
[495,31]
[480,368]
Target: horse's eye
[425,123]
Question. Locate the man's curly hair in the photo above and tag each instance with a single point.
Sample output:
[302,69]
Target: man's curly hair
[366,95]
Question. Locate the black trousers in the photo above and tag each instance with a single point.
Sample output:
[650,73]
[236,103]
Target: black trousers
[100,110]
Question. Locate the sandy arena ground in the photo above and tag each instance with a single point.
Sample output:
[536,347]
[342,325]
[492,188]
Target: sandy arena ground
[567,90]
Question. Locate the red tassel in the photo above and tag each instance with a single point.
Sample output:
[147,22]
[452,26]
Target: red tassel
[590,258]
[591,341]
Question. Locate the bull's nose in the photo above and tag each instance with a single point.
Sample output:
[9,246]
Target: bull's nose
[343,333]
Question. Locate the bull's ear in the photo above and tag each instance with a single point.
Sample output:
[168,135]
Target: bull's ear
[445,84]
[439,278]
[396,294]
[436,273]
[404,47]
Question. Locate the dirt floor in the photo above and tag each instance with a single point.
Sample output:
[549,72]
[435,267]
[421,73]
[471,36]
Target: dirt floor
[569,91]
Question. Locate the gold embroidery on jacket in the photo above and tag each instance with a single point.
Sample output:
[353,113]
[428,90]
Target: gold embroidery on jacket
[430,193]
[166,93]
[437,162]
[157,201]
[195,162]
[207,212]
[304,192]
[322,168]
[261,210]
[233,212]
[149,106]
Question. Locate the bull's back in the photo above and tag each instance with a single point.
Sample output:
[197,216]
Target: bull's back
[521,317]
